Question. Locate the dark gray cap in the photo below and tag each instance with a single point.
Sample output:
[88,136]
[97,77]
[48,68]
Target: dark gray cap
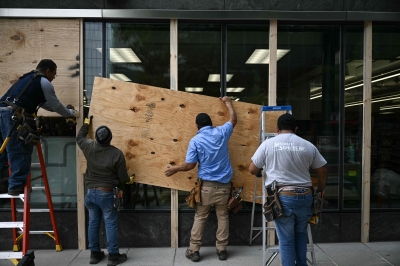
[103,135]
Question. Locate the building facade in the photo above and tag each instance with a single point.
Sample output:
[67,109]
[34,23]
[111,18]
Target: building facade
[337,63]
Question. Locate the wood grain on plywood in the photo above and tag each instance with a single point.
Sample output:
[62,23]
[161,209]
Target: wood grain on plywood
[24,42]
[153,127]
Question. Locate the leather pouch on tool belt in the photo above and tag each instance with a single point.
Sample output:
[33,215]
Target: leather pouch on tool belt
[272,207]
[28,133]
[195,194]
[235,201]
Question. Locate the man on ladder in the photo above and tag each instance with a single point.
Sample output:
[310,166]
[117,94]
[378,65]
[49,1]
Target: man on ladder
[32,91]
[287,159]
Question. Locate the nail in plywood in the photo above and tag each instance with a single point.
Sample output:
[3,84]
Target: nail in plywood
[153,127]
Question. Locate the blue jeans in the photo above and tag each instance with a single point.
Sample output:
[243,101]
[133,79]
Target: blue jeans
[17,153]
[292,229]
[101,204]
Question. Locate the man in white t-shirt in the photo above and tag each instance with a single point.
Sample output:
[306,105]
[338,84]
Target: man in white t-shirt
[287,159]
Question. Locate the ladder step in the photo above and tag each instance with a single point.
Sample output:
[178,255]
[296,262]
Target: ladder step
[10,255]
[6,196]
[38,188]
[272,249]
[34,210]
[38,232]
[11,224]
[260,228]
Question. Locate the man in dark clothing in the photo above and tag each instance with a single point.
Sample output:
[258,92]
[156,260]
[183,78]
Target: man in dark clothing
[32,91]
[106,169]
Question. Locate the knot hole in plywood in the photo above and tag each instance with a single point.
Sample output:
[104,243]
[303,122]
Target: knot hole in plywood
[251,111]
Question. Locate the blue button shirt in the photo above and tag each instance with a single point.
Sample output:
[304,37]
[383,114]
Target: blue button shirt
[209,148]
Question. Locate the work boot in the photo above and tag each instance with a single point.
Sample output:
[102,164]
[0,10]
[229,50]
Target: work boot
[16,191]
[192,255]
[96,256]
[222,254]
[115,259]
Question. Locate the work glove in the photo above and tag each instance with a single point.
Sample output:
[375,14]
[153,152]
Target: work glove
[88,120]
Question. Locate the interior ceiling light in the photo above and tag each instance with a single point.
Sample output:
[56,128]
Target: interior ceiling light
[193,89]
[315,89]
[261,56]
[118,76]
[380,99]
[376,80]
[389,107]
[122,55]
[238,89]
[386,113]
[315,96]
[216,77]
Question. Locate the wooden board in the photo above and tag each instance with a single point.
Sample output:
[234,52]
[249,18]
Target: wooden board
[153,127]
[24,42]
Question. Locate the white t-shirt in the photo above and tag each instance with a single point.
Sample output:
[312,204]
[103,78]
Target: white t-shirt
[287,159]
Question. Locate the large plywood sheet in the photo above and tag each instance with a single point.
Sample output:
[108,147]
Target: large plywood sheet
[24,42]
[153,127]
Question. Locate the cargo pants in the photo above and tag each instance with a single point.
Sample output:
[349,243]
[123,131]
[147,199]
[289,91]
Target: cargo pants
[217,194]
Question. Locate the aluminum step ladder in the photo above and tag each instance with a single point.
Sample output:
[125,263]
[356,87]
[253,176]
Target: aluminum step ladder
[24,225]
[268,228]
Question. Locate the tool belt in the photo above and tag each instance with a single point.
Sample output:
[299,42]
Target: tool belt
[195,194]
[28,133]
[272,207]
[235,201]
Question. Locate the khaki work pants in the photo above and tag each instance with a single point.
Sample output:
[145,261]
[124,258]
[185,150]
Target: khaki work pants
[217,194]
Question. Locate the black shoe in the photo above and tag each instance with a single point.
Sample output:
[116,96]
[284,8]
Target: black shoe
[16,191]
[115,259]
[96,256]
[192,255]
[222,254]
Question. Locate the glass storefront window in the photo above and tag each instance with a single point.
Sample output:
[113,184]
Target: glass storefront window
[140,53]
[385,121]
[248,63]
[308,80]
[199,58]
[353,124]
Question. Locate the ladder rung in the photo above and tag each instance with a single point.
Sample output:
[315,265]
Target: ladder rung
[257,228]
[38,188]
[38,232]
[11,224]
[34,210]
[35,164]
[272,249]
[6,196]
[11,255]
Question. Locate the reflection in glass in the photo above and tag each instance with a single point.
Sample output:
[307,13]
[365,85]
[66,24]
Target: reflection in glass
[248,63]
[385,139]
[199,58]
[353,125]
[138,53]
[93,57]
[307,79]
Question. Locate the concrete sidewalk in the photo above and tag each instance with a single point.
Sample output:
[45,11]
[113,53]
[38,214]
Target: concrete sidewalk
[338,254]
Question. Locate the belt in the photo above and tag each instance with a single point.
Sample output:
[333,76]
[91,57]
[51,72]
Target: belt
[106,189]
[216,184]
[290,193]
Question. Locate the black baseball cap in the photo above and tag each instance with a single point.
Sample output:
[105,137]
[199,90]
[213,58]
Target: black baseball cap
[286,121]
[203,120]
[103,135]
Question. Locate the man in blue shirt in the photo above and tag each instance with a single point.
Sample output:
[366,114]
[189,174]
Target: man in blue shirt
[209,148]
